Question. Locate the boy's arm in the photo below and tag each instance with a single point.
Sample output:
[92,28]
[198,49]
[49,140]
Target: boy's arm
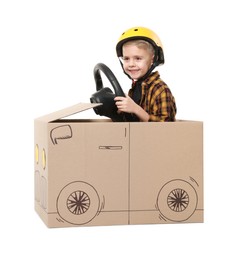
[141,114]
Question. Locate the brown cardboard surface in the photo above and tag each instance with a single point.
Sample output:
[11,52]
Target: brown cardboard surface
[167,164]
[98,172]
[67,111]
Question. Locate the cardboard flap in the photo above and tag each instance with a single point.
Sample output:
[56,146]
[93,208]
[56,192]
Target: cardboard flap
[68,111]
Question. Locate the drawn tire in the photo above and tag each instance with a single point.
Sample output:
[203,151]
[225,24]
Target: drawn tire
[78,203]
[177,200]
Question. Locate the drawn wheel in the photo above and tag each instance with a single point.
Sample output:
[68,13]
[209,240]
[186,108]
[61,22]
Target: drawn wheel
[177,200]
[78,203]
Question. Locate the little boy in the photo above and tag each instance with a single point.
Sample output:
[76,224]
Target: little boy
[140,51]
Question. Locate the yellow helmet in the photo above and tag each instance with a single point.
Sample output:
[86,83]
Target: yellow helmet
[142,33]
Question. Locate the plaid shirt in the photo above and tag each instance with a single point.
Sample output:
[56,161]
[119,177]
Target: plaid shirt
[156,99]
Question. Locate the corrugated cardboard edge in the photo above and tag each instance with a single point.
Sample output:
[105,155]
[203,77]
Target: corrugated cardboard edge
[67,111]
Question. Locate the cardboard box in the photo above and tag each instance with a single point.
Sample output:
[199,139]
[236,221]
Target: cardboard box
[97,172]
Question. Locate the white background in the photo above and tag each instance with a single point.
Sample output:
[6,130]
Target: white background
[48,50]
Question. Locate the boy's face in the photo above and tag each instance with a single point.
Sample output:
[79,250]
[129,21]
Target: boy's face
[136,61]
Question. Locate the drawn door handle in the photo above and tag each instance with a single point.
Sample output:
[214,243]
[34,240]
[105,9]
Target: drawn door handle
[110,147]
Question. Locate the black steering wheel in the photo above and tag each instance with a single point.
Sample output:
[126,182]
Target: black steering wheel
[105,95]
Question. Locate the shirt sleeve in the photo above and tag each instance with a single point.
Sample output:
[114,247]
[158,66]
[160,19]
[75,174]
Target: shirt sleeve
[163,108]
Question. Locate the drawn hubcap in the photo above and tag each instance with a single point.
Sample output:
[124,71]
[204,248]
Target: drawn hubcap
[178,200]
[78,202]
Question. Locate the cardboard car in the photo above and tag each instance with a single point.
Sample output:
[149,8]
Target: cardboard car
[92,172]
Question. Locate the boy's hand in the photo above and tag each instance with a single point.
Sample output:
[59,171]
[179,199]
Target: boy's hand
[125,104]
